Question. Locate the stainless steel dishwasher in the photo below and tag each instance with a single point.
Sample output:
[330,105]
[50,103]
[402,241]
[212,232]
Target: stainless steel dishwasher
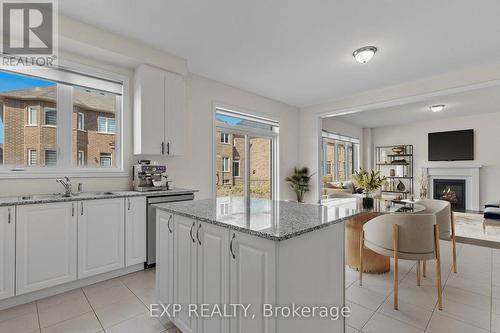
[151,224]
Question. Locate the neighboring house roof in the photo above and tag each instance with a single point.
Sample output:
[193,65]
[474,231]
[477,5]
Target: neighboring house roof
[86,99]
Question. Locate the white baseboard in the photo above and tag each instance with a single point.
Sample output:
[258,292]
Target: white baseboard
[36,295]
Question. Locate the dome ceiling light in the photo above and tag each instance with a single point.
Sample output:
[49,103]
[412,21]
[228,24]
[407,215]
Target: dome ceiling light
[437,107]
[364,54]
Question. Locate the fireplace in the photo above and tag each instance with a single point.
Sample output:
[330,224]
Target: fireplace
[452,190]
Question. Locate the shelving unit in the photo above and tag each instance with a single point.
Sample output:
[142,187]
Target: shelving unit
[387,159]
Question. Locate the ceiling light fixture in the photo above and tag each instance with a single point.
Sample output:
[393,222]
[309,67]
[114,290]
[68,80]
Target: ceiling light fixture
[364,54]
[437,107]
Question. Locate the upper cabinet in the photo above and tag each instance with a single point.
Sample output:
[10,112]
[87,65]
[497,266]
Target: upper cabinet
[159,112]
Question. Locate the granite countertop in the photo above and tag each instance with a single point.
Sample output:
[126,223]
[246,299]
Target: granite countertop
[48,198]
[274,220]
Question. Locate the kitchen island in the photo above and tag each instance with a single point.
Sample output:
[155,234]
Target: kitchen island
[265,254]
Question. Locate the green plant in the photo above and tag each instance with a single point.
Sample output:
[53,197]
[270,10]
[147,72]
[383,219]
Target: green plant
[369,181]
[299,182]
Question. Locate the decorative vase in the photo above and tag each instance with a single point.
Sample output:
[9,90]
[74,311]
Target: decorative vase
[423,193]
[367,202]
[398,150]
[401,187]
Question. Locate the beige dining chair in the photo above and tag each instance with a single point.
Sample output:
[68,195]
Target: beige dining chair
[403,236]
[446,221]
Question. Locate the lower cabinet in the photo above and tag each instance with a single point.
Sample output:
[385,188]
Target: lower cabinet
[7,251]
[252,280]
[101,236]
[201,263]
[135,230]
[46,240]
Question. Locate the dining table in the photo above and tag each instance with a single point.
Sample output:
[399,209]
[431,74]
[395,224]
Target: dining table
[372,261]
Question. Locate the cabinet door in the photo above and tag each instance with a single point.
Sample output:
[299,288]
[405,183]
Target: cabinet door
[7,251]
[135,229]
[184,288]
[252,280]
[175,110]
[149,110]
[164,256]
[101,236]
[45,245]
[213,274]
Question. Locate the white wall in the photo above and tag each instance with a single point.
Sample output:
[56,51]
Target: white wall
[487,137]
[96,48]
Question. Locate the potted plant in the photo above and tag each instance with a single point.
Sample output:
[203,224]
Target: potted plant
[369,181]
[299,182]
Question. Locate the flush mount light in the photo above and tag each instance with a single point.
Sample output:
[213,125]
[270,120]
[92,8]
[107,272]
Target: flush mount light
[364,54]
[437,107]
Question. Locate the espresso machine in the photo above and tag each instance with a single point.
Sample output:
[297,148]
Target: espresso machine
[150,177]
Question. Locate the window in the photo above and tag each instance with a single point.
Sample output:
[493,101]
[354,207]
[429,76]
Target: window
[236,168]
[31,116]
[224,208]
[251,154]
[50,116]
[32,156]
[50,158]
[71,108]
[340,157]
[81,158]
[225,164]
[105,160]
[106,125]
[224,138]
[80,121]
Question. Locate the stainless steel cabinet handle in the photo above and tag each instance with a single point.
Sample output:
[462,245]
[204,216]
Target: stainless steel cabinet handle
[81,212]
[128,203]
[168,148]
[198,234]
[168,224]
[9,217]
[191,232]
[231,246]
[163,148]
[72,209]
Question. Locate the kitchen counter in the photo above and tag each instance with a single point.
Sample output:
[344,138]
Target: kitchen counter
[274,220]
[56,197]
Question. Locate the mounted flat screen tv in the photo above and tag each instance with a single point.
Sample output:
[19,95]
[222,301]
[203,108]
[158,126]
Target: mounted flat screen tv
[451,146]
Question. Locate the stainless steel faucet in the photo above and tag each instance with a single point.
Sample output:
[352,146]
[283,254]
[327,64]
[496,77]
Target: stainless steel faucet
[66,183]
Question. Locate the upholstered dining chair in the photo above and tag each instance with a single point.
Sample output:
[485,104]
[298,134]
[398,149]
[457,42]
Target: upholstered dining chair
[403,236]
[446,222]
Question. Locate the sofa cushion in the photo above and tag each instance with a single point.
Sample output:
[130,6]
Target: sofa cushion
[492,213]
[495,204]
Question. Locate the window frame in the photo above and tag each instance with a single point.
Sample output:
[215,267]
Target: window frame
[345,142]
[110,157]
[29,157]
[107,131]
[49,109]
[80,125]
[45,157]
[78,158]
[237,161]
[29,116]
[224,138]
[76,74]
[224,168]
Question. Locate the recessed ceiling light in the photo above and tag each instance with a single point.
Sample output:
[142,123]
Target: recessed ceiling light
[364,54]
[437,107]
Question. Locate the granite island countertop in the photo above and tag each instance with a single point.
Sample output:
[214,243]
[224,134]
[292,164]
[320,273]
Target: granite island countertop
[274,220]
[56,197]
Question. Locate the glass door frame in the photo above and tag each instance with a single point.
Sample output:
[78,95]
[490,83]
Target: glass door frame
[248,134]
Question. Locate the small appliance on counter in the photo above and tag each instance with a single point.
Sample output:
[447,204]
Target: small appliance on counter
[151,177]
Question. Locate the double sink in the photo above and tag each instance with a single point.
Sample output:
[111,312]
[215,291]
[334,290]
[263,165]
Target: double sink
[63,195]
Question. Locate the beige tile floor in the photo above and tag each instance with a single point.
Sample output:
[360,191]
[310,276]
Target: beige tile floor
[470,225]
[471,298]
[115,306]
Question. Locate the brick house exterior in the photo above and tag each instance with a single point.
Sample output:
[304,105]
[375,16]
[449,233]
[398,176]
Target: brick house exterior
[22,137]
[232,148]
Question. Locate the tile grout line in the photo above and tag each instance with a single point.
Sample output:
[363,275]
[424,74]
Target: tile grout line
[93,310]
[38,317]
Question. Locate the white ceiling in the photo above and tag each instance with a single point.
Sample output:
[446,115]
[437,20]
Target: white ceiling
[299,52]
[478,101]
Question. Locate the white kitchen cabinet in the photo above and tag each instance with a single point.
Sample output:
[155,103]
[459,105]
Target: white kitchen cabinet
[184,281]
[159,112]
[213,274]
[101,235]
[135,230]
[7,251]
[252,280]
[164,256]
[46,238]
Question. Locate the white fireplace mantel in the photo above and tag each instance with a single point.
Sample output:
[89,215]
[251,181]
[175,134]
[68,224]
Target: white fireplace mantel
[469,173]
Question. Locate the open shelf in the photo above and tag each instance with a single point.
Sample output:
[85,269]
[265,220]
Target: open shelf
[384,156]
